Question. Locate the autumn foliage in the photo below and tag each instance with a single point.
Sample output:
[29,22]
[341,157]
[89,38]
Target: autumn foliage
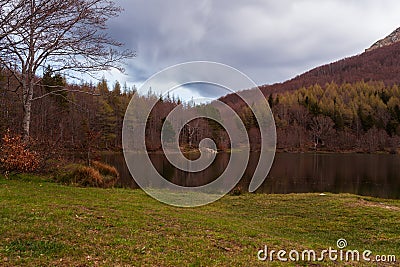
[349,105]
[87,176]
[97,175]
[109,173]
[16,156]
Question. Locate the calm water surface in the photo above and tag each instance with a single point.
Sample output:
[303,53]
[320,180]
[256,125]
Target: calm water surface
[361,174]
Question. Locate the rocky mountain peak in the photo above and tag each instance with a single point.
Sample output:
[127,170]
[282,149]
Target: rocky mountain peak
[392,38]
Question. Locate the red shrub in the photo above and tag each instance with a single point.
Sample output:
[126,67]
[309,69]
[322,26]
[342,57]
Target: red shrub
[16,156]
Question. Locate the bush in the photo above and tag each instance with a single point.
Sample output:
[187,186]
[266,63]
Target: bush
[109,173]
[97,175]
[105,169]
[87,176]
[16,156]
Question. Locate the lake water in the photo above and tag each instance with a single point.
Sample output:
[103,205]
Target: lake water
[361,174]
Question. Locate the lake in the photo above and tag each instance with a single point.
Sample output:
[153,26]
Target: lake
[362,174]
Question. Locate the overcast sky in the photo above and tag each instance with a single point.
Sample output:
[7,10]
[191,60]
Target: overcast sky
[270,41]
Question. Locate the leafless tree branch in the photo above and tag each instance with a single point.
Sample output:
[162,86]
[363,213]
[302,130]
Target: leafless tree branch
[68,35]
[57,92]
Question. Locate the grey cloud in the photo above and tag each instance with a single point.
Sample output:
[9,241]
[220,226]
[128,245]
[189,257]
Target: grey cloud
[270,41]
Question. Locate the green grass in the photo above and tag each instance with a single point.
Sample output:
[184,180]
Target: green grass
[46,224]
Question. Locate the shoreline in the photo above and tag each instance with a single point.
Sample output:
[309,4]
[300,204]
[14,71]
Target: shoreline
[278,150]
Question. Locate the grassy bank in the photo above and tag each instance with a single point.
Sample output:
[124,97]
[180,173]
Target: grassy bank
[46,224]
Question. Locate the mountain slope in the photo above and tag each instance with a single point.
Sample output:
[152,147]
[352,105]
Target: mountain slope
[348,105]
[382,64]
[392,38]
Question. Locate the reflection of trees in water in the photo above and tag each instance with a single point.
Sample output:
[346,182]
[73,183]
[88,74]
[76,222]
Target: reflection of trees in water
[362,174]
[190,179]
[375,175]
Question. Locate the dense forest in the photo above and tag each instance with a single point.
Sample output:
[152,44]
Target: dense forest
[358,117]
[80,116]
[361,117]
[89,117]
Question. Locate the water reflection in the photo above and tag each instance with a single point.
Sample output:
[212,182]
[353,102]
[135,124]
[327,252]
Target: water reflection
[361,174]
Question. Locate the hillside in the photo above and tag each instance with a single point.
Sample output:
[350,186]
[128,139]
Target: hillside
[382,64]
[349,105]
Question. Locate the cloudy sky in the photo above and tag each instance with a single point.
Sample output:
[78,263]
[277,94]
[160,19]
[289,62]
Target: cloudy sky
[270,41]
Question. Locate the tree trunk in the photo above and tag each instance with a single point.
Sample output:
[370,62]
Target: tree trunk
[27,101]
[26,120]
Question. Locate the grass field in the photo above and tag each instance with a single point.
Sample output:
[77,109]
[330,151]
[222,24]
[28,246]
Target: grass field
[47,224]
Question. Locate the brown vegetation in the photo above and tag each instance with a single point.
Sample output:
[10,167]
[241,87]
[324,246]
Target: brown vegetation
[97,175]
[16,156]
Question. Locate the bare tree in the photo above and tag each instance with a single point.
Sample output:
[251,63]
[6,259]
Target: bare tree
[68,35]
[322,129]
[10,11]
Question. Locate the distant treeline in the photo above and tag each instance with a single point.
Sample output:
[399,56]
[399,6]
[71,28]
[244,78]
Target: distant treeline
[87,117]
[362,116]
[68,117]
[357,117]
